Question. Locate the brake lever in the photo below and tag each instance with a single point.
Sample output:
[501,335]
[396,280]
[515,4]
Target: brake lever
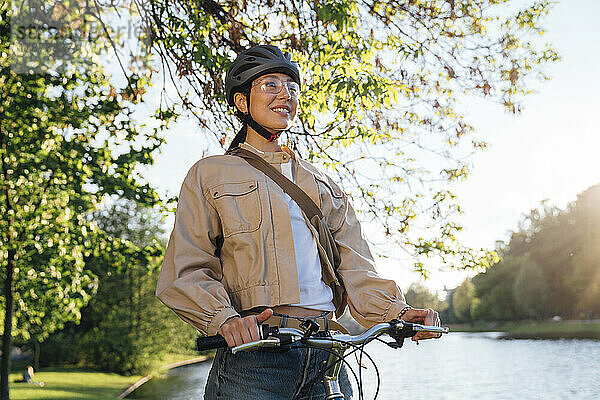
[397,344]
[399,334]
[310,327]
[408,330]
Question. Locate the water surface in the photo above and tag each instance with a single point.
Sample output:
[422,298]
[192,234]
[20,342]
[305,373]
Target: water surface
[459,366]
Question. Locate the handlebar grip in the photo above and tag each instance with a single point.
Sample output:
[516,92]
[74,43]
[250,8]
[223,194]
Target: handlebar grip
[217,341]
[210,342]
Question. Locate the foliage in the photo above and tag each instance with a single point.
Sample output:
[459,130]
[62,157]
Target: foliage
[530,289]
[494,289]
[550,265]
[585,279]
[462,300]
[382,84]
[67,140]
[124,328]
[419,296]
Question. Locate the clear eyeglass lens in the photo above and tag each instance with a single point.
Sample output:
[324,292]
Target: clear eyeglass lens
[274,85]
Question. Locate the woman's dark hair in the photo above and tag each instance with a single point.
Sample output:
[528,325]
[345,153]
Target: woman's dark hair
[240,137]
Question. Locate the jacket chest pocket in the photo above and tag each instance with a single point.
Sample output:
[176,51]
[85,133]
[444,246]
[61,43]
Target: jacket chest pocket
[332,202]
[238,205]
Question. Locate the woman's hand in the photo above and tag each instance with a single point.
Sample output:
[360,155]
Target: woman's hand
[237,330]
[422,316]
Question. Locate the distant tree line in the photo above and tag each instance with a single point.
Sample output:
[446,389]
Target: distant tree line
[550,266]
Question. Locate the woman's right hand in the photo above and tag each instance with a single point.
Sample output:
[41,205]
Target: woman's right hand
[238,330]
[425,316]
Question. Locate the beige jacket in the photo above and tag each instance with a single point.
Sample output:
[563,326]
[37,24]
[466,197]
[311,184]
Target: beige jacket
[232,249]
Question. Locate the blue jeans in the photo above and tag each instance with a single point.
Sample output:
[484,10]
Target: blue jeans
[261,375]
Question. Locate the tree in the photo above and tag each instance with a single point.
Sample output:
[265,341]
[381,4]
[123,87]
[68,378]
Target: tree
[531,290]
[419,296]
[584,278]
[550,265]
[545,236]
[124,328]
[447,315]
[67,140]
[380,93]
[462,300]
[495,290]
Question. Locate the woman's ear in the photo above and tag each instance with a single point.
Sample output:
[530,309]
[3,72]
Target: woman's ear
[240,102]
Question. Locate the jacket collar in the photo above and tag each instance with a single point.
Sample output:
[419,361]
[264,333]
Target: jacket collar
[277,157]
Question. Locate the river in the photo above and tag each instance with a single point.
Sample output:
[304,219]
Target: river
[459,366]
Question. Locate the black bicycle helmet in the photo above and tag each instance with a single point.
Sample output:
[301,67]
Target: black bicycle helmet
[257,61]
[249,65]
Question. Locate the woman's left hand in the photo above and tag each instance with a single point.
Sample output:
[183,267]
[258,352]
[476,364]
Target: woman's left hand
[425,316]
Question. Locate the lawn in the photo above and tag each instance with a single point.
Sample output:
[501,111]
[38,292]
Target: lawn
[71,384]
[66,383]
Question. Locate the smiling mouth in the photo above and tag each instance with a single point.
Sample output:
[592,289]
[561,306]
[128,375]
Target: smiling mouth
[281,110]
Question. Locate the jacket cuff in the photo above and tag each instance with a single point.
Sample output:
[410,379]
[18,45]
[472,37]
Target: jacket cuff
[219,318]
[394,310]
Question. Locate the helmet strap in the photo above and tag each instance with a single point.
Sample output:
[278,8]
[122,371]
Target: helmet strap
[271,137]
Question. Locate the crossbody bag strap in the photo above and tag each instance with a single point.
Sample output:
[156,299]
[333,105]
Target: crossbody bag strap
[294,191]
[309,208]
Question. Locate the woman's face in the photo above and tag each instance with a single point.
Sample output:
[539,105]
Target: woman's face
[275,112]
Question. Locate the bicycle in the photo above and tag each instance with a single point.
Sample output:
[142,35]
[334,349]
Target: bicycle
[335,344]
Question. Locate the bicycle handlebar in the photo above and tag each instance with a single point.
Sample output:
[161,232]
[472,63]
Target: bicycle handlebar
[274,337]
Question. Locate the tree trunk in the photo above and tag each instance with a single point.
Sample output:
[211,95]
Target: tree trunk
[36,356]
[8,316]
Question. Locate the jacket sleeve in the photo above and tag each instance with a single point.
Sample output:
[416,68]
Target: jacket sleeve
[371,298]
[190,278]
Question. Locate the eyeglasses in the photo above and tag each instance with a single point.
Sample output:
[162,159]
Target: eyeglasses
[273,85]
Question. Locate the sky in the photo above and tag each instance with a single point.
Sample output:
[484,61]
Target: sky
[550,151]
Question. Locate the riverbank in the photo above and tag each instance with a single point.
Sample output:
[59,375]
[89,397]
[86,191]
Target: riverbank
[580,329]
[70,383]
[133,387]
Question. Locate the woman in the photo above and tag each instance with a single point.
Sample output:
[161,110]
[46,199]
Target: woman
[242,249]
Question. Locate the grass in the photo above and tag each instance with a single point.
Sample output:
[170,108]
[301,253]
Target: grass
[71,384]
[66,383]
[536,329]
